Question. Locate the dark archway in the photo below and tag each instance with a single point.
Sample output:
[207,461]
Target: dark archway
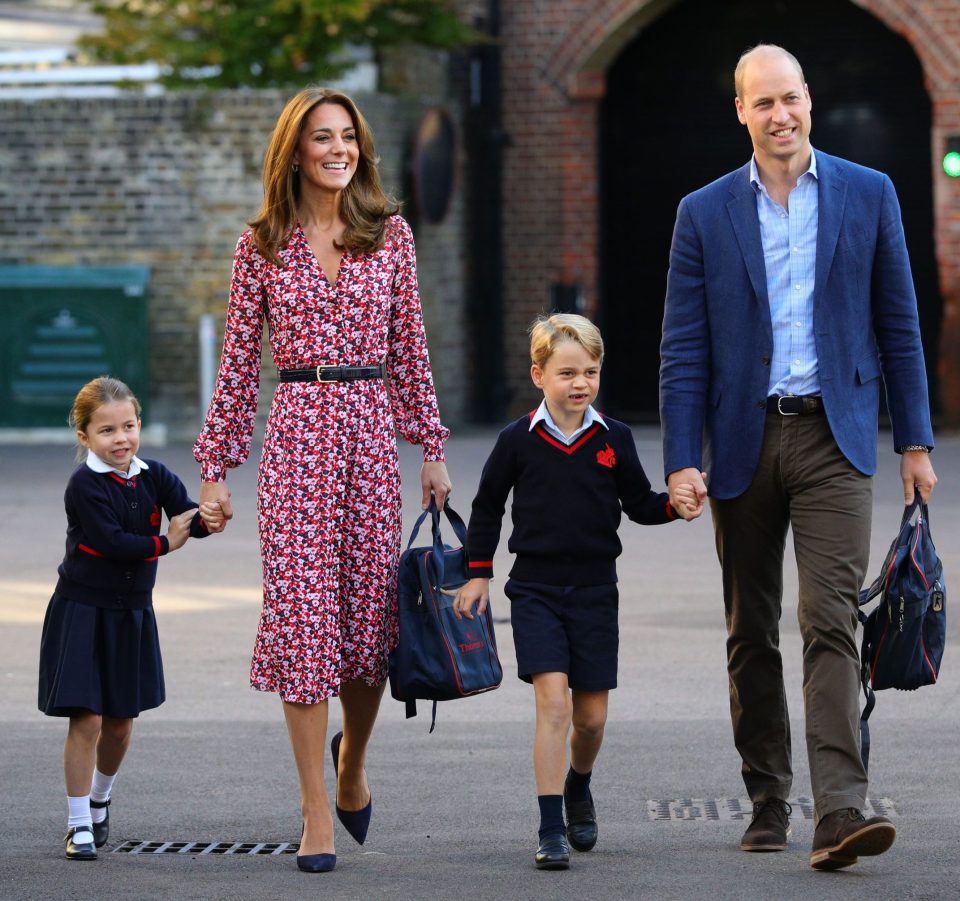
[668,126]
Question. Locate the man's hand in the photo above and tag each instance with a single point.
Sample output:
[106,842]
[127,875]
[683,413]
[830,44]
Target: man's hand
[917,474]
[679,482]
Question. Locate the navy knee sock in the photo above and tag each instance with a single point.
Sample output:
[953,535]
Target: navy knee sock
[551,815]
[577,786]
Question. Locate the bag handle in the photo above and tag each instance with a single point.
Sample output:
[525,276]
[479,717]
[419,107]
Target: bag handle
[459,529]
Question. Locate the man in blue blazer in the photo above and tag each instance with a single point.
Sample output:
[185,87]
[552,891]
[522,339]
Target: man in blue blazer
[789,297]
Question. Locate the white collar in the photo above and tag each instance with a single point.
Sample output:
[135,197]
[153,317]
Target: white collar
[590,416]
[98,465]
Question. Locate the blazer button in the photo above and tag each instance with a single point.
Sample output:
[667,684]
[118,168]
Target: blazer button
[765,361]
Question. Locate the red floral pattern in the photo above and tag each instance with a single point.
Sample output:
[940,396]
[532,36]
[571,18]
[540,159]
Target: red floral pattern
[329,485]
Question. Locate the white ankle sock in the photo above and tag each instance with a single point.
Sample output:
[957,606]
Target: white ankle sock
[100,791]
[78,810]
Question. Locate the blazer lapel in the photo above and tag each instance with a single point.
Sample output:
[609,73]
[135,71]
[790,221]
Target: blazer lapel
[831,196]
[742,208]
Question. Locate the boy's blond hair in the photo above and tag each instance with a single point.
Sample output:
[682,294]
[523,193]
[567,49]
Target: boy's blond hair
[547,332]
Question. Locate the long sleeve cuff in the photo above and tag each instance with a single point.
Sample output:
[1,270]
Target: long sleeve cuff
[480,569]
[432,449]
[212,471]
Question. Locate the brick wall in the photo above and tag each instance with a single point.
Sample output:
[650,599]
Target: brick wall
[170,182]
[555,56]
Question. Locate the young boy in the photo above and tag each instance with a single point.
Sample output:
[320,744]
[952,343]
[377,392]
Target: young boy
[571,471]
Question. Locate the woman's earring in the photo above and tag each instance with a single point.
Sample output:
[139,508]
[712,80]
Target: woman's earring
[296,167]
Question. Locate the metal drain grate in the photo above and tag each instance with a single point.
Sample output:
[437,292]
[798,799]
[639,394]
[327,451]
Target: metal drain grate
[742,809]
[207,848]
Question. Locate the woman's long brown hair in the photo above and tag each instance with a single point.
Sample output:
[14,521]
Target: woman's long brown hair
[364,206]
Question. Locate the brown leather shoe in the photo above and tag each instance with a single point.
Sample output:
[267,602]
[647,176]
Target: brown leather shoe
[844,835]
[769,828]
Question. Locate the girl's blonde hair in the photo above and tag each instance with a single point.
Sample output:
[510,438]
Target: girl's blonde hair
[547,332]
[364,205]
[92,396]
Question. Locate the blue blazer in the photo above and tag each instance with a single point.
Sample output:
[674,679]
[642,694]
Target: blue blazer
[718,338]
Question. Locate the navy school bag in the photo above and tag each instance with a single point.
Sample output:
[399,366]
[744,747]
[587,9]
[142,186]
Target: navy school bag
[439,657]
[904,634]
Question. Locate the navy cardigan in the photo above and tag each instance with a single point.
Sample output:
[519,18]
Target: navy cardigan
[113,534]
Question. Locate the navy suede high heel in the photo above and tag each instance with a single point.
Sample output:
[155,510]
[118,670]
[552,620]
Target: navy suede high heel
[356,822]
[315,863]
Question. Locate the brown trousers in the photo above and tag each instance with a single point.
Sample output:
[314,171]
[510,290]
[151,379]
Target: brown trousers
[802,481]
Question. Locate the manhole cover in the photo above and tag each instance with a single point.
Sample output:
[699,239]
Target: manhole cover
[133,847]
[742,809]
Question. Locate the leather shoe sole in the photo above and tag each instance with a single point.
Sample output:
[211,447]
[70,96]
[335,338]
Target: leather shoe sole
[867,842]
[767,844]
[553,853]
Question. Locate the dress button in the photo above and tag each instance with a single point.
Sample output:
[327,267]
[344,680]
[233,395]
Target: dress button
[761,404]
[765,361]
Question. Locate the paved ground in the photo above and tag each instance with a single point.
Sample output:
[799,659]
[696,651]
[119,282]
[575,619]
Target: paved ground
[454,812]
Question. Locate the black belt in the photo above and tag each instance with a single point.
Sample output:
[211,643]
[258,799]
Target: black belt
[795,405]
[332,374]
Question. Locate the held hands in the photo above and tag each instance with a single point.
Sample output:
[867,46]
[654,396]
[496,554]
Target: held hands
[215,507]
[475,590]
[917,474]
[434,479]
[178,531]
[688,492]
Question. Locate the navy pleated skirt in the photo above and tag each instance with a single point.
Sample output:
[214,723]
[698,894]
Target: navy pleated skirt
[99,659]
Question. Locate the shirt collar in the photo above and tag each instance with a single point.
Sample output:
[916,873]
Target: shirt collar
[590,416]
[755,172]
[98,465]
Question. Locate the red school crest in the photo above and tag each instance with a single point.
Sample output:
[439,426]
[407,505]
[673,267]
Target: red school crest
[607,457]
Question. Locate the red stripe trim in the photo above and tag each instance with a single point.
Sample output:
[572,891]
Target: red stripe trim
[671,513]
[566,448]
[90,550]
[132,480]
[480,564]
[157,546]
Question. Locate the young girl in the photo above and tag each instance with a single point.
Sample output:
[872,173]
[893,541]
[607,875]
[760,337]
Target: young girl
[99,654]
[571,471]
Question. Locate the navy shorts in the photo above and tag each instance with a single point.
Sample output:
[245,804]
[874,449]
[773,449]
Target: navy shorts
[570,629]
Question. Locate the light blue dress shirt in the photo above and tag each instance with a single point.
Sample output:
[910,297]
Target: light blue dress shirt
[790,257]
[590,416]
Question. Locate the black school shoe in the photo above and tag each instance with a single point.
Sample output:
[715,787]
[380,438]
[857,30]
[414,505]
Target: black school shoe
[553,853]
[581,822]
[101,830]
[79,842]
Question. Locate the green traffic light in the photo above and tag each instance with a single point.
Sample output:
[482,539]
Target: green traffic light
[951,164]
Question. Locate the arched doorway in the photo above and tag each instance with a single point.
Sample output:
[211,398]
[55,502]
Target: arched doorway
[668,126]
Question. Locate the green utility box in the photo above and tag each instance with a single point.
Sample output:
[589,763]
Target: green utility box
[63,326]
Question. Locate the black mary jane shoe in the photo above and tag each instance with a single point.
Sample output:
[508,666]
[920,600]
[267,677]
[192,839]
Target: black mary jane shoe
[356,822]
[101,830]
[553,853]
[581,823]
[80,844]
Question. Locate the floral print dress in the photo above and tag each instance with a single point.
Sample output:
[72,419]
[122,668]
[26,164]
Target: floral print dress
[329,485]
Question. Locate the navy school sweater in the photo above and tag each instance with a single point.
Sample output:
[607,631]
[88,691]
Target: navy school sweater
[567,503]
[113,534]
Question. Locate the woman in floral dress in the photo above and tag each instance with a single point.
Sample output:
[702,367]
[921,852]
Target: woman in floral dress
[332,269]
